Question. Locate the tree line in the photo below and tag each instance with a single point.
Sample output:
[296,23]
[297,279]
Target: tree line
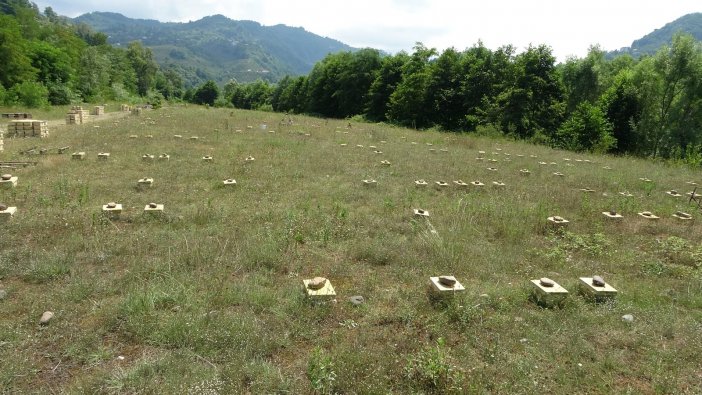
[649,107]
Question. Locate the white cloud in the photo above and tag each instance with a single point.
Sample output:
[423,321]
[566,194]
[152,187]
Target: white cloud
[569,27]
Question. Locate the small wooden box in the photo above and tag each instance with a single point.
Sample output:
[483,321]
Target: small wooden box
[593,292]
[104,155]
[548,296]
[327,291]
[6,214]
[153,208]
[112,212]
[145,182]
[9,184]
[78,155]
[436,288]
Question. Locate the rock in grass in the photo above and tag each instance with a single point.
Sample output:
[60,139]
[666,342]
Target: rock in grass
[357,300]
[628,318]
[317,283]
[546,282]
[3,294]
[598,281]
[447,281]
[46,317]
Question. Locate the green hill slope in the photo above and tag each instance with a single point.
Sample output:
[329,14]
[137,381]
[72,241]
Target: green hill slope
[207,297]
[219,48]
[652,42]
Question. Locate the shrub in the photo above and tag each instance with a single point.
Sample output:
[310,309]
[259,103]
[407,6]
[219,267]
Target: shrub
[30,94]
[60,94]
[155,99]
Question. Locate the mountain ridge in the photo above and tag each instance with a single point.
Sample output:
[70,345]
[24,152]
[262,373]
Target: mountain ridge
[652,42]
[219,48]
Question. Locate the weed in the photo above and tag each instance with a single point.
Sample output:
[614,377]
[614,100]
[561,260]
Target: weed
[433,370]
[320,372]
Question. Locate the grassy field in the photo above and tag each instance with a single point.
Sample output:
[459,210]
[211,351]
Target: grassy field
[208,297]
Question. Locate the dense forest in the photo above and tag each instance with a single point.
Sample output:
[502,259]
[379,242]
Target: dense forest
[650,106]
[45,59]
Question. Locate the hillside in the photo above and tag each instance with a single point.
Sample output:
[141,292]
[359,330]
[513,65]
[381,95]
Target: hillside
[208,297]
[219,48]
[652,42]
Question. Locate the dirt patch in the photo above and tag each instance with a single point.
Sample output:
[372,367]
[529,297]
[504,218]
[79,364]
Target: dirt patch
[108,116]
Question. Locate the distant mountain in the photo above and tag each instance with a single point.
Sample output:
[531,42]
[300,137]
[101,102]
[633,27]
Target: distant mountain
[219,48]
[652,42]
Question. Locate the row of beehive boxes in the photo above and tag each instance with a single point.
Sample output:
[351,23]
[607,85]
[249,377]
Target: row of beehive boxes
[27,128]
[79,115]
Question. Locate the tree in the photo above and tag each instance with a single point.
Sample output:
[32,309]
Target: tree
[385,83]
[15,65]
[93,74]
[52,64]
[169,84]
[207,93]
[669,89]
[443,93]
[142,61]
[622,107]
[582,78]
[29,93]
[480,81]
[408,102]
[290,95]
[534,104]
[587,129]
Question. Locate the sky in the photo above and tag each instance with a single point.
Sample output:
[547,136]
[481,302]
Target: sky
[569,27]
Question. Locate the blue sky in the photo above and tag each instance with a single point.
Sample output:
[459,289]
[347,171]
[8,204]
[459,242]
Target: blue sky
[569,27]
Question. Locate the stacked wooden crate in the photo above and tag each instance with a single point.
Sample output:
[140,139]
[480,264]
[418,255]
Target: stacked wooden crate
[99,110]
[77,116]
[17,115]
[2,141]
[73,118]
[27,128]
[125,108]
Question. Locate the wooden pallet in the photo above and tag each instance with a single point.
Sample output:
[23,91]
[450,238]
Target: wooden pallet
[17,115]
[16,164]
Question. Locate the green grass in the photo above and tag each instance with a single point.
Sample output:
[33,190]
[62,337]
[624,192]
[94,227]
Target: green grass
[207,298]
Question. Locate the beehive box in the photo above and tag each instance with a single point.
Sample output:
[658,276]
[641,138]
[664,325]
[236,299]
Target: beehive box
[125,108]
[99,110]
[443,286]
[598,292]
[82,114]
[73,118]
[548,293]
[27,128]
[6,213]
[2,141]
[321,293]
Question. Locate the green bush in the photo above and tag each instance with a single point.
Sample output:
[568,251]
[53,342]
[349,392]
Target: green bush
[155,99]
[30,94]
[60,94]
